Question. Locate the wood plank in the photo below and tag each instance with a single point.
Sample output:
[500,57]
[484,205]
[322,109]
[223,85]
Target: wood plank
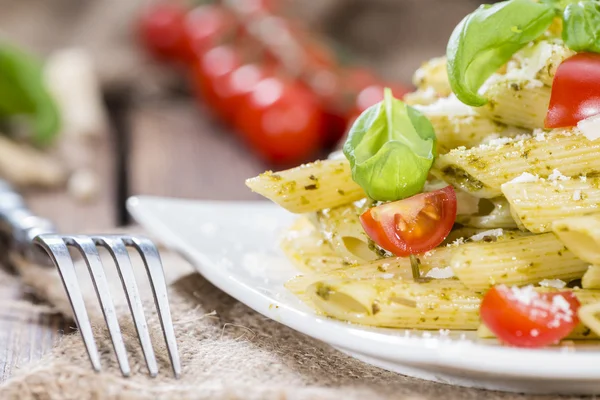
[178,150]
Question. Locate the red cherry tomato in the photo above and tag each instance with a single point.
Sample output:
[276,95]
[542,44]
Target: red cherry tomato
[161,31]
[413,225]
[210,76]
[522,317]
[239,84]
[281,121]
[575,91]
[205,27]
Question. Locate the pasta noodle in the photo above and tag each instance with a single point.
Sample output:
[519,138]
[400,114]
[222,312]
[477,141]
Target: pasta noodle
[398,304]
[517,261]
[482,170]
[493,213]
[310,187]
[536,205]
[581,235]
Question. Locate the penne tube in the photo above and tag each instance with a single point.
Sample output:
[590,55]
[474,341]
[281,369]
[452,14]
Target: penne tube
[341,227]
[591,278]
[433,74]
[581,235]
[482,170]
[519,261]
[310,187]
[536,205]
[493,213]
[443,303]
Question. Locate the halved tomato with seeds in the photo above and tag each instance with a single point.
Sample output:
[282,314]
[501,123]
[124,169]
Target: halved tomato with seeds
[413,225]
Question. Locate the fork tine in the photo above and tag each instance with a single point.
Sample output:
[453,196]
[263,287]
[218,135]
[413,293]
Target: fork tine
[58,251]
[154,268]
[89,252]
[118,251]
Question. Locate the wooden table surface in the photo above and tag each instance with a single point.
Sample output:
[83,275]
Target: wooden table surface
[171,147]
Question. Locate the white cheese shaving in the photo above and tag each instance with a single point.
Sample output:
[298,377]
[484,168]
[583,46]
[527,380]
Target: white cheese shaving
[577,195]
[525,177]
[447,107]
[457,242]
[491,233]
[557,176]
[590,127]
[583,178]
[539,135]
[440,273]
[387,276]
[553,283]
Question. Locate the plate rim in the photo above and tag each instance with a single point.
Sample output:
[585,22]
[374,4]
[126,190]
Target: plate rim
[416,351]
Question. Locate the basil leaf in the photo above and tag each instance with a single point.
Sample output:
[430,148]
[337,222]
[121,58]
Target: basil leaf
[581,28]
[23,94]
[391,148]
[487,38]
[558,4]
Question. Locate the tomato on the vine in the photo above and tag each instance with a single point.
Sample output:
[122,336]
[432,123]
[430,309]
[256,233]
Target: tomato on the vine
[413,225]
[211,74]
[161,31]
[575,91]
[525,318]
[281,121]
[205,27]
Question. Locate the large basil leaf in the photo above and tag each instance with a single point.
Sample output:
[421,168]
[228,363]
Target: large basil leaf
[391,148]
[487,38]
[581,28]
[23,94]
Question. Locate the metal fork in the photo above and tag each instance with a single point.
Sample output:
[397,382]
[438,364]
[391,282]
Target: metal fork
[22,231]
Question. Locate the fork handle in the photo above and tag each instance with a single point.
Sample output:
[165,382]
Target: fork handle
[18,225]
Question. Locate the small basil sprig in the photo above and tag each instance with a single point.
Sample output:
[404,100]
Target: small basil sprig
[391,148]
[487,38]
[24,95]
[581,27]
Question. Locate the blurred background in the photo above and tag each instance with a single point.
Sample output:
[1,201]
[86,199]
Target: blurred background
[103,99]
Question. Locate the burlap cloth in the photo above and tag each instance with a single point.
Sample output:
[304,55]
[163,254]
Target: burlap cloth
[228,351]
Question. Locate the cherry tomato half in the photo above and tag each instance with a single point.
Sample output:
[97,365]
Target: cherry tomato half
[413,225]
[575,91]
[522,317]
[281,121]
[161,31]
[211,74]
[205,27]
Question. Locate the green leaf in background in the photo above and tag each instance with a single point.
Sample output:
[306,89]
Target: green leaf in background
[581,28]
[23,94]
[487,38]
[391,148]
[558,4]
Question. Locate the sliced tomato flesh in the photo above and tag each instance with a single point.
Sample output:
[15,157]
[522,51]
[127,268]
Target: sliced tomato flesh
[575,91]
[525,318]
[413,225]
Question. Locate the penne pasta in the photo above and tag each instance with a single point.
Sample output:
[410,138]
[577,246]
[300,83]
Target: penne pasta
[493,213]
[591,278]
[520,260]
[310,187]
[341,227]
[581,235]
[484,169]
[536,205]
[433,74]
[443,303]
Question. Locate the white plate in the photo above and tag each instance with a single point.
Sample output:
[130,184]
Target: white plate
[234,245]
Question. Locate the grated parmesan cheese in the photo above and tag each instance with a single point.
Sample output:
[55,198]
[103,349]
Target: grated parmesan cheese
[557,176]
[440,273]
[539,135]
[387,276]
[577,195]
[491,233]
[525,177]
[553,283]
[590,127]
[583,178]
[447,107]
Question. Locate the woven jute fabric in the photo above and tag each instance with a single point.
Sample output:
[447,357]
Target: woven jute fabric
[228,351]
